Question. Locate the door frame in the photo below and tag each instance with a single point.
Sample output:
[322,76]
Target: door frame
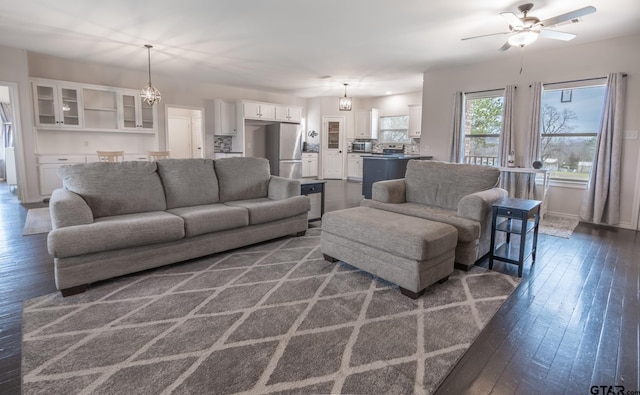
[325,139]
[202,123]
[14,100]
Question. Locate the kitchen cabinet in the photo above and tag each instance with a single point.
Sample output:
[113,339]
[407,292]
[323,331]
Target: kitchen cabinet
[48,170]
[57,105]
[261,111]
[415,120]
[92,108]
[366,124]
[309,164]
[135,114]
[289,114]
[224,118]
[100,108]
[354,166]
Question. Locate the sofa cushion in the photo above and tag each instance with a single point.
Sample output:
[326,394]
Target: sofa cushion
[188,182]
[444,184]
[116,188]
[115,232]
[211,218]
[266,210]
[468,229]
[242,178]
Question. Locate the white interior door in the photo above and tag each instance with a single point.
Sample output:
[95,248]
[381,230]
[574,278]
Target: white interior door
[179,141]
[333,129]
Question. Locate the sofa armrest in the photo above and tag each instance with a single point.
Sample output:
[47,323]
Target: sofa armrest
[283,188]
[67,209]
[477,205]
[389,191]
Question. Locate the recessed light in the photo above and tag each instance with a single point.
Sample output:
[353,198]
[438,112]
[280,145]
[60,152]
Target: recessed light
[388,92]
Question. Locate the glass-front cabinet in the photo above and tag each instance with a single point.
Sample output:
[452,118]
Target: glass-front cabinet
[135,113]
[57,106]
[64,105]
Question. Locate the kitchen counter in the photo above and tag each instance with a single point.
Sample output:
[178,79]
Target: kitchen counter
[384,167]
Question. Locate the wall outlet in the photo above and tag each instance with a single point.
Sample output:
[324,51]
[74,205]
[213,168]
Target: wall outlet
[630,134]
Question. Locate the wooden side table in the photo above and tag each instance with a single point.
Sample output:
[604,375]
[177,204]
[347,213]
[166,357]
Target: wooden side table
[515,216]
[309,186]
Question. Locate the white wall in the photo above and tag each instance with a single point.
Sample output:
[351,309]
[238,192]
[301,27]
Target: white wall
[563,64]
[396,104]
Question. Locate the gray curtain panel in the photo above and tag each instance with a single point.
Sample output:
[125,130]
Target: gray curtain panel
[601,204]
[456,153]
[533,153]
[507,180]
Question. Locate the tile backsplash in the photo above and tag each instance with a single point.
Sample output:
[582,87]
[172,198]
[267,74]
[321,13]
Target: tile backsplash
[222,143]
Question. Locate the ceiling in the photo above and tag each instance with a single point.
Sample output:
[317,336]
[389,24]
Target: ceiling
[303,48]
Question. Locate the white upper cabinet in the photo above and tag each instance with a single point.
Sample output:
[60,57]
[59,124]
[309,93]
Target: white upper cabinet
[262,111]
[366,124]
[135,114]
[224,118]
[100,107]
[57,105]
[289,114]
[415,120]
[93,108]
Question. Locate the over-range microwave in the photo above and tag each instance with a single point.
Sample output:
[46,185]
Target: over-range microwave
[361,146]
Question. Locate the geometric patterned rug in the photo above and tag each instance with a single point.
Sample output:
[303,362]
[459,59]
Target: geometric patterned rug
[270,318]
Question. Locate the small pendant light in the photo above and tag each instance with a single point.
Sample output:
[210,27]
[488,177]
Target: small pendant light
[150,94]
[345,102]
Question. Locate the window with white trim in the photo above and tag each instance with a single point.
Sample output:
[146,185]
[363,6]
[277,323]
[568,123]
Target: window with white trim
[482,125]
[569,124]
[394,129]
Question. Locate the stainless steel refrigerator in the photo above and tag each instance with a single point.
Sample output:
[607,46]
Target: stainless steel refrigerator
[284,149]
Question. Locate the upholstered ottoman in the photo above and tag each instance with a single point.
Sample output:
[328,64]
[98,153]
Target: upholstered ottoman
[410,252]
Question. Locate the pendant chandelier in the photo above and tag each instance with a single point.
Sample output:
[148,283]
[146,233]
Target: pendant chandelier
[150,94]
[345,102]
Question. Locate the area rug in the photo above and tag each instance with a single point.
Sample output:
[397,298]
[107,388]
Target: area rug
[556,225]
[38,221]
[271,318]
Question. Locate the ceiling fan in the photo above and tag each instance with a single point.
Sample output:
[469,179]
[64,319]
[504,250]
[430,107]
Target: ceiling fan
[525,30]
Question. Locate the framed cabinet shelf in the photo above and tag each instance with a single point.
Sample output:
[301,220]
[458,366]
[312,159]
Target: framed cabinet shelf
[520,217]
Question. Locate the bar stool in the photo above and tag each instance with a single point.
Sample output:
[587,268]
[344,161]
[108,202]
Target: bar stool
[155,155]
[111,156]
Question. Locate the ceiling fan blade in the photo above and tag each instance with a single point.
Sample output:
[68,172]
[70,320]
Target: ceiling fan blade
[504,47]
[512,19]
[486,35]
[556,35]
[569,17]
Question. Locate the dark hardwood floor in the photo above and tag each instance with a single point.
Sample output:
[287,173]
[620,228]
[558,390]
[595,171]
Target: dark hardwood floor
[573,323]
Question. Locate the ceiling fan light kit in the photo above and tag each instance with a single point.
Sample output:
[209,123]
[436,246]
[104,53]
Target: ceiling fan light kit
[526,29]
[523,38]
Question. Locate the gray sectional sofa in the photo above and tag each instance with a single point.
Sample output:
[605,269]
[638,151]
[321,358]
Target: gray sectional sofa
[112,219]
[460,195]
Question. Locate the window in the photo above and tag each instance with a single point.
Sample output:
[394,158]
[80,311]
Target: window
[570,119]
[482,127]
[394,129]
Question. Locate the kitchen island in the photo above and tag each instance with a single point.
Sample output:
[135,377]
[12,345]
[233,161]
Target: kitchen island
[384,167]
